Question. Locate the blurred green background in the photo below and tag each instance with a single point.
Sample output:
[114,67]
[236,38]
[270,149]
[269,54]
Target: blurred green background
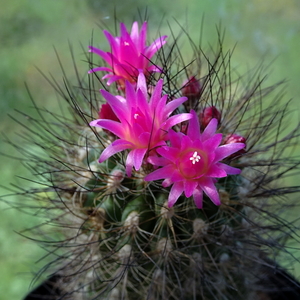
[29,29]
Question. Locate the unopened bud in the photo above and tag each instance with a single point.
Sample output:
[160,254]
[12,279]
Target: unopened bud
[184,127]
[235,138]
[107,113]
[191,89]
[209,113]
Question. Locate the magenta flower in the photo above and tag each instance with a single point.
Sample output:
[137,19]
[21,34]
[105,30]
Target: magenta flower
[192,162]
[143,123]
[129,54]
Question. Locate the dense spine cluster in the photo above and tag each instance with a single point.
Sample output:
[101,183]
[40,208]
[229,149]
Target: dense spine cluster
[164,185]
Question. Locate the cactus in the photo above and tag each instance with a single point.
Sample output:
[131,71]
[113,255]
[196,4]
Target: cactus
[165,184]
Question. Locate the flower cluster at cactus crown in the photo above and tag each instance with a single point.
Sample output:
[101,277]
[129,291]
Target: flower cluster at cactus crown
[129,54]
[144,125]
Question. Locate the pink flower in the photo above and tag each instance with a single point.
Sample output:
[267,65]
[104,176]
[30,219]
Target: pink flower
[129,54]
[192,162]
[143,123]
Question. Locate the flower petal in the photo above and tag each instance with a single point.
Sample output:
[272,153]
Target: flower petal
[142,85]
[210,129]
[172,105]
[115,127]
[114,43]
[189,187]
[118,105]
[176,119]
[116,146]
[157,161]
[135,158]
[226,150]
[213,143]
[216,171]
[160,173]
[175,193]
[198,197]
[175,138]
[209,188]
[101,53]
[155,69]
[194,127]
[229,170]
[176,176]
[168,152]
[155,46]
[112,78]
[100,69]
[167,182]
[142,38]
[134,34]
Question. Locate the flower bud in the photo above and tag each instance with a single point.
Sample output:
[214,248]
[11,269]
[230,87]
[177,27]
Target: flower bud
[209,113]
[191,89]
[107,113]
[235,138]
[184,127]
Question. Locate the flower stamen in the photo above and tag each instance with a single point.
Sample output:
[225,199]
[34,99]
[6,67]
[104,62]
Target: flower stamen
[195,158]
